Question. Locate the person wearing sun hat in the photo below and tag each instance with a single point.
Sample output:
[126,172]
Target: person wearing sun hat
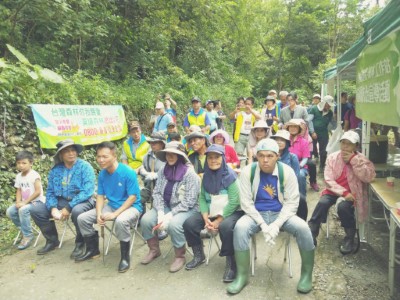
[221,137]
[219,210]
[70,187]
[282,137]
[346,175]
[174,200]
[260,131]
[269,196]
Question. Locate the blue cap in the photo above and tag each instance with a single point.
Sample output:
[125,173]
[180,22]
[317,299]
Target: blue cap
[216,149]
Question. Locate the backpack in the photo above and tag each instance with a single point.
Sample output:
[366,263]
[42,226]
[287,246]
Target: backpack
[280,175]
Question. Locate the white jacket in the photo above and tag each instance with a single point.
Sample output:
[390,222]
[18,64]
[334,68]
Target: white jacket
[290,199]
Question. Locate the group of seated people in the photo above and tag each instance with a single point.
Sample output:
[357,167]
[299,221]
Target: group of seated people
[195,189]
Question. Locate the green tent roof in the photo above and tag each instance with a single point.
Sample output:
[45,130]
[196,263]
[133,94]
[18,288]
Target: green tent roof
[377,27]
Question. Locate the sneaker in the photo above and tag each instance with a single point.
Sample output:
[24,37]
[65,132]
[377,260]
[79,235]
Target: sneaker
[25,242]
[315,186]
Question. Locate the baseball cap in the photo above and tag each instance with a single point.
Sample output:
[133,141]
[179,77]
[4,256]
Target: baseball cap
[209,101]
[351,136]
[216,149]
[196,99]
[133,124]
[272,92]
[170,124]
[329,99]
[270,98]
[268,145]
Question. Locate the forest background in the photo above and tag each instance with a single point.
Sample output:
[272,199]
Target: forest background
[129,52]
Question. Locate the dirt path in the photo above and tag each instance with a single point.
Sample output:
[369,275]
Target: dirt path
[25,275]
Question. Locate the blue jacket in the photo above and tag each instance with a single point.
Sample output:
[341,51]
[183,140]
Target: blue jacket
[76,185]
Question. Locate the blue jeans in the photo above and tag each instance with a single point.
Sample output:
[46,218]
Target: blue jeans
[21,218]
[175,227]
[303,182]
[246,227]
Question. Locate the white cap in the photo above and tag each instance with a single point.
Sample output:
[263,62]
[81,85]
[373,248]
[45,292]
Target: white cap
[268,145]
[317,96]
[159,105]
[351,136]
[329,99]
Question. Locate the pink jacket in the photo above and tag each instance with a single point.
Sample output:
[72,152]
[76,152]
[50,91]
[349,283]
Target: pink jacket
[360,172]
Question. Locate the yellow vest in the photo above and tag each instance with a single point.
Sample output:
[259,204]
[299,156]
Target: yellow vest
[136,161]
[199,120]
[238,125]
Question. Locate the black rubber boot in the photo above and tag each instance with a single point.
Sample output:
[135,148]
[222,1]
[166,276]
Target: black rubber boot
[314,231]
[78,250]
[348,242]
[198,257]
[49,231]
[92,248]
[125,259]
[230,269]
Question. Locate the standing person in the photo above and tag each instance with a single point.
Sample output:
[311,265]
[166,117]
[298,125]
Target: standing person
[292,111]
[170,106]
[199,143]
[300,147]
[221,137]
[260,131]
[345,106]
[269,196]
[29,191]
[162,120]
[175,199]
[118,184]
[244,122]
[350,119]
[233,115]
[135,147]
[322,117]
[70,187]
[346,174]
[197,116]
[212,115]
[221,114]
[219,211]
[282,138]
[283,99]
[270,113]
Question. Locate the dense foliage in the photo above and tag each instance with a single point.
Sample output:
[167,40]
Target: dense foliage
[129,52]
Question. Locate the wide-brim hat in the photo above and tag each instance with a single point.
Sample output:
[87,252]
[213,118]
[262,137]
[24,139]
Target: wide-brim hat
[157,137]
[269,98]
[260,124]
[221,132]
[294,122]
[197,134]
[64,144]
[173,147]
[284,134]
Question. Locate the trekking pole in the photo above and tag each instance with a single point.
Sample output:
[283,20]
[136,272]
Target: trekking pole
[102,235]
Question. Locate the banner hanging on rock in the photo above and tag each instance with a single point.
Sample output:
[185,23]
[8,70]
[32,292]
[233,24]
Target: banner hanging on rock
[85,124]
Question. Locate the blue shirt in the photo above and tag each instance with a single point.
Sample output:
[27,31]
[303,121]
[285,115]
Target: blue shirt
[267,193]
[76,184]
[162,122]
[118,186]
[212,115]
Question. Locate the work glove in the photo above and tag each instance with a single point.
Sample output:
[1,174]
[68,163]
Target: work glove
[165,222]
[273,232]
[151,176]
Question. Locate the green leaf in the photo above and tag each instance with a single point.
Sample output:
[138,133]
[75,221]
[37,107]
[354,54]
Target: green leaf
[18,55]
[51,76]
[33,75]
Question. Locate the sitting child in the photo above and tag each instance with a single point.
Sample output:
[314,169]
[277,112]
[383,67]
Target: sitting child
[29,191]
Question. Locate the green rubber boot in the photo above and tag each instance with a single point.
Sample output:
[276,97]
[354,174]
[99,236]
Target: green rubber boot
[307,265]
[242,274]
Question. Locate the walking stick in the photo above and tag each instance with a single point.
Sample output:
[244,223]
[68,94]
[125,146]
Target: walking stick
[102,235]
